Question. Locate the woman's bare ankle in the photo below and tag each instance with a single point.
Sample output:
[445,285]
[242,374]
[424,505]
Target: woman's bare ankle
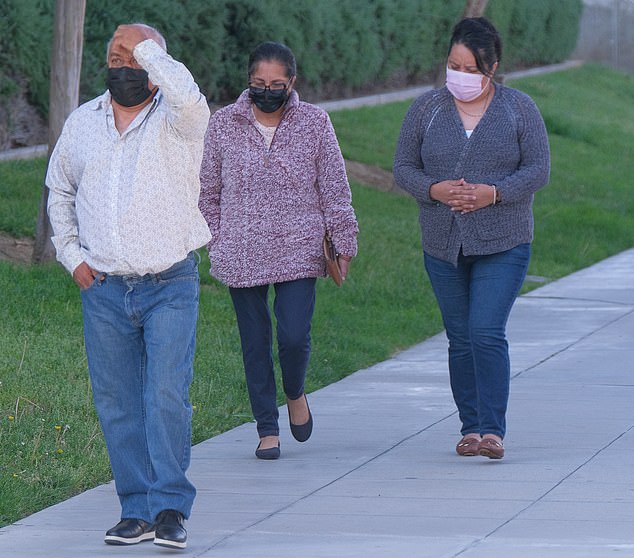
[268,442]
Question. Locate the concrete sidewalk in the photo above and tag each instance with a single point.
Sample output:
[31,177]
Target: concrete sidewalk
[379,477]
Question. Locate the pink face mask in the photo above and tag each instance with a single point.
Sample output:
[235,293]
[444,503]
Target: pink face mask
[464,86]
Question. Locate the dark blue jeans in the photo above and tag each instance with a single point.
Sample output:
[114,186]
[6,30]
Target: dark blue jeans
[475,300]
[140,334]
[294,305]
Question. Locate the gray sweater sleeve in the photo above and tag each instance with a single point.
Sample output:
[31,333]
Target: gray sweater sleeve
[408,170]
[534,169]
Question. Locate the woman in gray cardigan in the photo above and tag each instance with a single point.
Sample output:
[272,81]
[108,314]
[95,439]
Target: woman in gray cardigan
[473,154]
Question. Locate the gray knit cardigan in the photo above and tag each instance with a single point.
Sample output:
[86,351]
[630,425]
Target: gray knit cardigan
[508,148]
[267,208]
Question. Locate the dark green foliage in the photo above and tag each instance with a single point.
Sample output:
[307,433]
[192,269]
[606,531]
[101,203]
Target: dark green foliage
[26,30]
[539,31]
[342,46]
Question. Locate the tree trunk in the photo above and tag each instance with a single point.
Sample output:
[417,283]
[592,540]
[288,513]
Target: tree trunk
[68,38]
[475,8]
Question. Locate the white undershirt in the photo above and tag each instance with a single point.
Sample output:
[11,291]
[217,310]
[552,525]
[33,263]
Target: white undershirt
[267,132]
[469,132]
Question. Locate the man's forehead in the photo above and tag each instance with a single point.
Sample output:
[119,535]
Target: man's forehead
[118,50]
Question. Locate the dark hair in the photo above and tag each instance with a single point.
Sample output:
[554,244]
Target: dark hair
[272,51]
[481,38]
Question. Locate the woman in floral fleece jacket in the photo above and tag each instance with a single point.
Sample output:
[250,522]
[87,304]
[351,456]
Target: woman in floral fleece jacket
[273,181]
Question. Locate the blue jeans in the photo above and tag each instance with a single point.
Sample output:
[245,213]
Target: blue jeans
[475,300]
[140,335]
[294,305]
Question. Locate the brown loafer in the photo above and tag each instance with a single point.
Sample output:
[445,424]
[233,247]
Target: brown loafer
[491,448]
[468,446]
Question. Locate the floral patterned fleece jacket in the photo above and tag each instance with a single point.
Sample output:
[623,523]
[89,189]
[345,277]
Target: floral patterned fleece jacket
[268,208]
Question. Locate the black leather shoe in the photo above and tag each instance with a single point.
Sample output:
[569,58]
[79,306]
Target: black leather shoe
[169,530]
[129,531]
[268,453]
[301,432]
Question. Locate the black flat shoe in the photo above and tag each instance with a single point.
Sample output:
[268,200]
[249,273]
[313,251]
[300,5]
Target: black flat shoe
[130,531]
[301,432]
[170,532]
[268,453]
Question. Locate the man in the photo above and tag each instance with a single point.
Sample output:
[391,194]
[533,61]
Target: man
[123,203]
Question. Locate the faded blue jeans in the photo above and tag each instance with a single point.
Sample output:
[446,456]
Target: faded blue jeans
[140,335]
[475,300]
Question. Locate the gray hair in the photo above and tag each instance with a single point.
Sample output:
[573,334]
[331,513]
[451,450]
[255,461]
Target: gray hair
[154,33]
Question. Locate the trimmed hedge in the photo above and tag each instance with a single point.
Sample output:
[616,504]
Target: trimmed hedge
[342,46]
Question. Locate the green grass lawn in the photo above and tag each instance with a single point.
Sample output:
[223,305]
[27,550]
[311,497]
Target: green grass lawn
[20,192]
[51,444]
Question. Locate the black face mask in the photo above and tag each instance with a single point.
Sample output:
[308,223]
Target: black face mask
[268,100]
[128,86]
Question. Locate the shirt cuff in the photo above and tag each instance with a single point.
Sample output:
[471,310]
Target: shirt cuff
[147,49]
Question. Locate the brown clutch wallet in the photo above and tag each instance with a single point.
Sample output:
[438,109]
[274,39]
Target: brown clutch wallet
[332,265]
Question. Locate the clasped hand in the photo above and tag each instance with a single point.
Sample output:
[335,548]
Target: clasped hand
[461,196]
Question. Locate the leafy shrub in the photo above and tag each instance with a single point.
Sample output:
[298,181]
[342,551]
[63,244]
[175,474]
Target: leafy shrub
[342,46]
[25,39]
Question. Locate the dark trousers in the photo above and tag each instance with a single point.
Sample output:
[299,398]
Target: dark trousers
[294,305]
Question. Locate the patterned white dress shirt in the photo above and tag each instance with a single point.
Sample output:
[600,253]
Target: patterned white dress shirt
[127,204]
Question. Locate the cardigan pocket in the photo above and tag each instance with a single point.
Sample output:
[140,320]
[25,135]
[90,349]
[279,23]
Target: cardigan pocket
[436,221]
[488,224]
[498,222]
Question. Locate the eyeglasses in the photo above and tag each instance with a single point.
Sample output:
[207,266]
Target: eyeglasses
[259,88]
